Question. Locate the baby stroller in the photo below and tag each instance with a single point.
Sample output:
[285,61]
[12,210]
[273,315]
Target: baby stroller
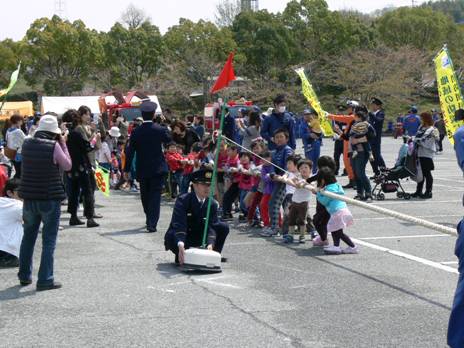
[389,179]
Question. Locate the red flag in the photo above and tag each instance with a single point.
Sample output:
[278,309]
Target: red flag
[227,75]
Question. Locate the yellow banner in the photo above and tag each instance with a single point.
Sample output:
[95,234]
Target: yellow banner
[310,95]
[102,177]
[449,92]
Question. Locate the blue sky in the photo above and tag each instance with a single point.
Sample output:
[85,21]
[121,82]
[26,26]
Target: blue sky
[101,14]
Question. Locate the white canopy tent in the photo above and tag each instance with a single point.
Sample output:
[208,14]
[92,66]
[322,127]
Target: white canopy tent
[60,105]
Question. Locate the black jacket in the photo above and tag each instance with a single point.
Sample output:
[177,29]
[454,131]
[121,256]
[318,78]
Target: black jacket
[41,178]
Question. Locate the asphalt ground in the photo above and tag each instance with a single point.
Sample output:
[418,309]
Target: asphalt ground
[121,289]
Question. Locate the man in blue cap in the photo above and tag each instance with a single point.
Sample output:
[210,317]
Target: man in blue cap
[411,122]
[147,142]
[189,216]
[376,119]
[456,323]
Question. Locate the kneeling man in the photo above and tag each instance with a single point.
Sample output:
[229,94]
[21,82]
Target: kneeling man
[189,216]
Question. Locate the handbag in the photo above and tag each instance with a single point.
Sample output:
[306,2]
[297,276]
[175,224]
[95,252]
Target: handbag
[10,153]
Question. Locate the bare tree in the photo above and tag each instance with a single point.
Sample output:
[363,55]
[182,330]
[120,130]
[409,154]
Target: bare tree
[133,17]
[226,11]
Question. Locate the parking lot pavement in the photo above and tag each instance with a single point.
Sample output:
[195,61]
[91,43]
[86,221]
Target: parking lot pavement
[121,288]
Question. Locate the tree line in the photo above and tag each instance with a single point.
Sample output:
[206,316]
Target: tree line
[346,54]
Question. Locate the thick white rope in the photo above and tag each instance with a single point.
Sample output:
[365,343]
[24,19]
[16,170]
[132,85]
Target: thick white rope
[372,207]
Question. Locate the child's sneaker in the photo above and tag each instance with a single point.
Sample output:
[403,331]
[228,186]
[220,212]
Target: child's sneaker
[318,242]
[313,234]
[287,238]
[268,232]
[350,250]
[333,250]
[302,240]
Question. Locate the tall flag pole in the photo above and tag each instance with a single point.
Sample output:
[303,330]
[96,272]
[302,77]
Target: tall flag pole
[227,75]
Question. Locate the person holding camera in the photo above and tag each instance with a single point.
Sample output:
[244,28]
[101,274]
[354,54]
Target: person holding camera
[81,176]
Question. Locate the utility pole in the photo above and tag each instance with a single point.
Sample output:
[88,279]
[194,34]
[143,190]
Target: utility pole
[249,5]
[413,3]
[60,8]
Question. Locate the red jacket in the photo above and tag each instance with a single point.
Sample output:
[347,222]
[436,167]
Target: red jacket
[188,168]
[246,181]
[233,163]
[173,160]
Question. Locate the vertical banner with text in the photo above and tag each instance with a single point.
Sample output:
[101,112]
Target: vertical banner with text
[449,91]
[310,95]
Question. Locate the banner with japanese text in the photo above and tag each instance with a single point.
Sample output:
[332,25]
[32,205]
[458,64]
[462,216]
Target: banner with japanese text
[310,95]
[102,177]
[449,91]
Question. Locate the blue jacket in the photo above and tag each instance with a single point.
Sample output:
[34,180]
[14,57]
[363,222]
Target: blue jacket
[188,222]
[279,157]
[456,322]
[275,121]
[411,124]
[146,140]
[459,146]
[376,121]
[332,205]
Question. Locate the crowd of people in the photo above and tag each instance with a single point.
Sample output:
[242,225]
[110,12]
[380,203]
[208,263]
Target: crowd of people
[260,175]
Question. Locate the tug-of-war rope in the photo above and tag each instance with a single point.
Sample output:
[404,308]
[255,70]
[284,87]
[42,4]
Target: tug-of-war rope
[374,208]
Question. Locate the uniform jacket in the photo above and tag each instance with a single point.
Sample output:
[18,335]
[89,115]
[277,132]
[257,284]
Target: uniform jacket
[188,222]
[146,140]
[376,120]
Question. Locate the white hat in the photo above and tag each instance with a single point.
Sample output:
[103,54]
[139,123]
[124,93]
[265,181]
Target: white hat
[49,123]
[115,132]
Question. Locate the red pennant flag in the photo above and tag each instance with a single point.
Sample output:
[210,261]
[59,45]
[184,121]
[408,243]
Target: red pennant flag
[227,75]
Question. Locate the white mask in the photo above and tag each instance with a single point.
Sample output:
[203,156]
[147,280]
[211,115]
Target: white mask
[282,109]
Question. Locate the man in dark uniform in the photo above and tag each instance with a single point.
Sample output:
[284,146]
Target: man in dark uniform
[146,141]
[376,119]
[189,216]
[456,322]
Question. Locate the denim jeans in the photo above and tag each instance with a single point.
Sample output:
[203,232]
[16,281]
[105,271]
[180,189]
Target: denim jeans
[35,212]
[175,182]
[243,207]
[363,185]
[313,152]
[185,183]
[456,322]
